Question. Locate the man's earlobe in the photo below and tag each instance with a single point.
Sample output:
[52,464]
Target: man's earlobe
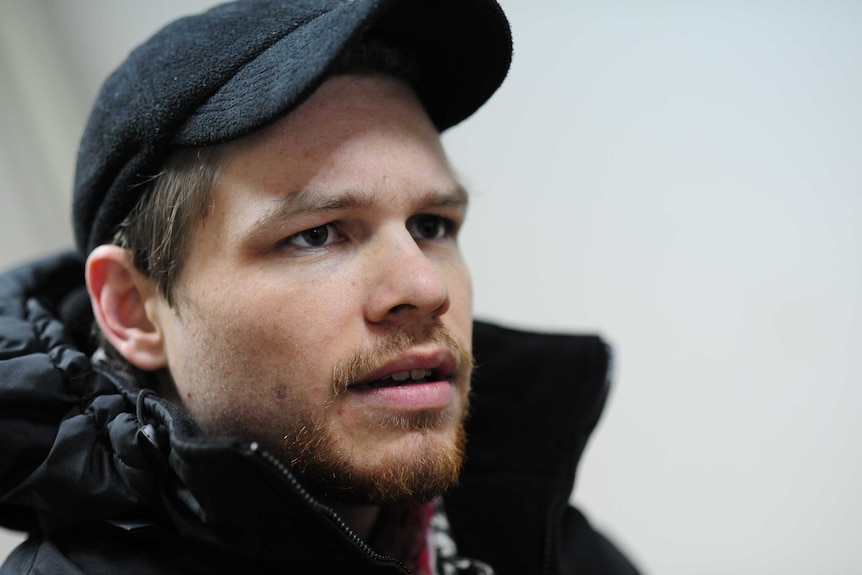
[119,294]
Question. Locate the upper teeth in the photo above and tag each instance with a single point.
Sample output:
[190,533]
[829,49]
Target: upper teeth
[410,374]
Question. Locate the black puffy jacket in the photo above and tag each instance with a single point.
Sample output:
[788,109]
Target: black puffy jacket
[109,479]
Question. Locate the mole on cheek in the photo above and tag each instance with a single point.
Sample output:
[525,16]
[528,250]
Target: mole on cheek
[279,394]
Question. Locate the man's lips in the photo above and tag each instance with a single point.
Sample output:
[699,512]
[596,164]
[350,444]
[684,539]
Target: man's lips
[413,382]
[425,396]
[413,368]
[406,377]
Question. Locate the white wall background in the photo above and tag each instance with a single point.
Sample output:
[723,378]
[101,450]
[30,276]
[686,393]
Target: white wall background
[683,177]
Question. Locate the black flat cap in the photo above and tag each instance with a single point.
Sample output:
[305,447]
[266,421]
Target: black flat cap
[225,73]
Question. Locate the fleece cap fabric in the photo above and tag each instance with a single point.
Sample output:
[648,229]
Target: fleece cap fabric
[223,74]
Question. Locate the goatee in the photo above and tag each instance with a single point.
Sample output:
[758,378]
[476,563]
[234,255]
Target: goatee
[332,473]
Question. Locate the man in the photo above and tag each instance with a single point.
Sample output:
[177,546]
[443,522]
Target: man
[281,380]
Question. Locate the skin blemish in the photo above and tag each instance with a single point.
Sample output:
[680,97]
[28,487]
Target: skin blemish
[280,394]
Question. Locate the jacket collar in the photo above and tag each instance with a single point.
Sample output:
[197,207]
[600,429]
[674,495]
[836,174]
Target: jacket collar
[537,398]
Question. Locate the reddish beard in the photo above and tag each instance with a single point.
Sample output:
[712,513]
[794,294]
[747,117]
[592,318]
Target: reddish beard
[396,479]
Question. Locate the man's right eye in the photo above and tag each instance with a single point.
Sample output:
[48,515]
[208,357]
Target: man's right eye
[317,237]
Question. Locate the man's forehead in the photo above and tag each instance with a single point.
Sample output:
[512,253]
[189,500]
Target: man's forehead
[340,107]
[360,142]
[342,138]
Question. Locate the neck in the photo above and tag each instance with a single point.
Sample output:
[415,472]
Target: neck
[360,518]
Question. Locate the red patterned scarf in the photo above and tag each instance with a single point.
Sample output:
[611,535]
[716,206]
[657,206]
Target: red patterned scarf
[405,535]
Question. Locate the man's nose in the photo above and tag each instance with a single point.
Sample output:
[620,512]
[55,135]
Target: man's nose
[405,283]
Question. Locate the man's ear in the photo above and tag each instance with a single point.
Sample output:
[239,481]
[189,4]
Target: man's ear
[119,295]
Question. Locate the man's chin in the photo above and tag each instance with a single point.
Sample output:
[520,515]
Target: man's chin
[401,479]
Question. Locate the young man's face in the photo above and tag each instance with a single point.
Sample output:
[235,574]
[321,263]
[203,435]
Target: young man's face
[324,310]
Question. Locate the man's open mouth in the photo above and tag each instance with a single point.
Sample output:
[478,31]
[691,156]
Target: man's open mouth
[402,378]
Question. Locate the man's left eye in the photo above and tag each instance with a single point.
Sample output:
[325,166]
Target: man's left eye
[318,237]
[428,227]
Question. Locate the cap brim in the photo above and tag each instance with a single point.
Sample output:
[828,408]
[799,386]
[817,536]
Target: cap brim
[463,50]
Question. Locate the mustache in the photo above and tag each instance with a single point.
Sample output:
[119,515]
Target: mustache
[362,365]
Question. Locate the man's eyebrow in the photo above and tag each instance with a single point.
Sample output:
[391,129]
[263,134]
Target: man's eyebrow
[310,201]
[455,197]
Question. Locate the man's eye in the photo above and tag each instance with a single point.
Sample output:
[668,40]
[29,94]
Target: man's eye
[428,227]
[315,237]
